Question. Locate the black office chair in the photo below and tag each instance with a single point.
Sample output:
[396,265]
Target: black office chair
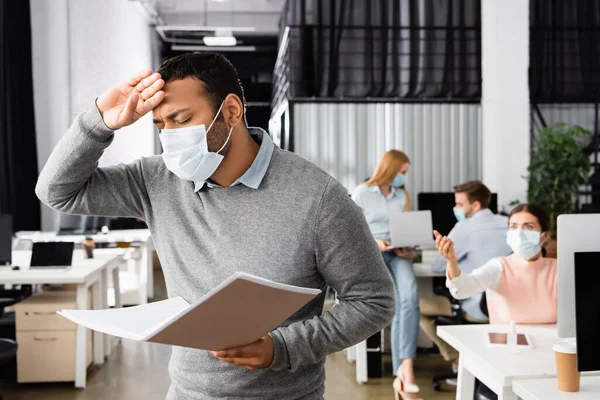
[8,346]
[457,318]
[8,351]
[8,297]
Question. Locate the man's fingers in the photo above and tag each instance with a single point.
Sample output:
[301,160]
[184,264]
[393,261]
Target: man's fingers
[147,82]
[237,352]
[437,235]
[250,363]
[233,353]
[126,115]
[134,80]
[152,102]
[151,91]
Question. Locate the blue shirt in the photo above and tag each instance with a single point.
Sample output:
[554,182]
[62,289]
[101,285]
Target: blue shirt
[477,240]
[255,174]
[378,208]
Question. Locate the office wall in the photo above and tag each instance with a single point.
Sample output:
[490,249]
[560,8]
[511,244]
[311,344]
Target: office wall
[443,141]
[81,48]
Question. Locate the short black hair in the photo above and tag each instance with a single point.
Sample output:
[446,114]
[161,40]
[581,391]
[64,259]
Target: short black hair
[216,72]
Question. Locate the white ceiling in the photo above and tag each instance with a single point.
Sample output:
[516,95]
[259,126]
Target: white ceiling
[263,15]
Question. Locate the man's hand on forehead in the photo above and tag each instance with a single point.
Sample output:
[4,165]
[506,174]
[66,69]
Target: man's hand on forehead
[127,102]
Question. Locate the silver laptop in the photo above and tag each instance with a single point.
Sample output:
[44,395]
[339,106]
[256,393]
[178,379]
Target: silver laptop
[412,228]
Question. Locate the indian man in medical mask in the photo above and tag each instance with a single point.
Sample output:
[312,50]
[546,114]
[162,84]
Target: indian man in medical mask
[478,236]
[223,198]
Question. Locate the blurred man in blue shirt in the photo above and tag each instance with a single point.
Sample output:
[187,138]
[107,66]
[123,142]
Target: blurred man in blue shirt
[478,236]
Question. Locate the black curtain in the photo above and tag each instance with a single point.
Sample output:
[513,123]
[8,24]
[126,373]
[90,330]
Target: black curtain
[564,51]
[18,154]
[384,48]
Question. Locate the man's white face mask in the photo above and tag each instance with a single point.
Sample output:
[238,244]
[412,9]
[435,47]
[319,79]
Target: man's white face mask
[185,151]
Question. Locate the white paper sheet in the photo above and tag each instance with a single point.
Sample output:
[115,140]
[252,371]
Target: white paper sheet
[130,322]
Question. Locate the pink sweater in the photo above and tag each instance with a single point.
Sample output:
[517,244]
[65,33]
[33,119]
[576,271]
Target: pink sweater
[517,290]
[526,292]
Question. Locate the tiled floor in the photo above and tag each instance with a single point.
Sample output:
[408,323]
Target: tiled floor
[139,371]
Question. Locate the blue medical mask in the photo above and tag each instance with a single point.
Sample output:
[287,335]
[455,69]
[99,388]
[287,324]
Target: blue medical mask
[185,151]
[398,181]
[459,213]
[524,243]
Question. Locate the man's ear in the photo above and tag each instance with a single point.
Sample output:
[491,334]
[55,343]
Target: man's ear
[233,110]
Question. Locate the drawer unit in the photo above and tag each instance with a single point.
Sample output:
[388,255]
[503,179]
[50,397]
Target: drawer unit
[47,341]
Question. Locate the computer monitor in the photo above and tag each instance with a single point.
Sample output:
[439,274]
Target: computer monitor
[441,205]
[587,312]
[6,233]
[81,224]
[576,233]
[127,223]
[52,254]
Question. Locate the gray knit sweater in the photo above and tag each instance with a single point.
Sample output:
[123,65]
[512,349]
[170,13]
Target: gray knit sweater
[299,227]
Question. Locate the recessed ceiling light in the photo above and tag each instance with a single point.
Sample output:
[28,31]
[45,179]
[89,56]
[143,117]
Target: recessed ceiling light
[219,40]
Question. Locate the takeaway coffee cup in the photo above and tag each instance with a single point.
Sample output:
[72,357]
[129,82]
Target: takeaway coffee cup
[565,352]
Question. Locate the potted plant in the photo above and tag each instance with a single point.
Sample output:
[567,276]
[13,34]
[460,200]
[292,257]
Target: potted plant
[558,168]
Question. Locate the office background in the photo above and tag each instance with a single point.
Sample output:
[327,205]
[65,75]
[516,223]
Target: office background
[462,86]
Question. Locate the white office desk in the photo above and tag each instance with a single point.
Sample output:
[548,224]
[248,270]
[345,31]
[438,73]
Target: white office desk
[143,259]
[498,367]
[85,274]
[546,389]
[424,276]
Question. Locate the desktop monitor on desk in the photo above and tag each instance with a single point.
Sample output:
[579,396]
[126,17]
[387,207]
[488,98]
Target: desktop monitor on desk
[587,312]
[81,224]
[6,233]
[441,206]
[576,233]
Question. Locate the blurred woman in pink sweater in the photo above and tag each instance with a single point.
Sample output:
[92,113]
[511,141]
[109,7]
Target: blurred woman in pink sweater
[520,287]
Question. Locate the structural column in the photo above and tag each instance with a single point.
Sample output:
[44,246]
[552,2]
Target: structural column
[505,98]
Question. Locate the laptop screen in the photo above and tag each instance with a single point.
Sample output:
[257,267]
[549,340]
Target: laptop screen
[52,254]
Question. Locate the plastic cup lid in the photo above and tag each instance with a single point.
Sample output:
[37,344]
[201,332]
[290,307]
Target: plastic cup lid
[566,346]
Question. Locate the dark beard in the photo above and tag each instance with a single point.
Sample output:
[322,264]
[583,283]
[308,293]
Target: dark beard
[217,136]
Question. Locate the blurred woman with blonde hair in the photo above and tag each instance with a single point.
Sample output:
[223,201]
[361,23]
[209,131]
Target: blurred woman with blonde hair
[383,195]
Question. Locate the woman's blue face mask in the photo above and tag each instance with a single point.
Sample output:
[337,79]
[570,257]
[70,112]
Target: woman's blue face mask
[398,181]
